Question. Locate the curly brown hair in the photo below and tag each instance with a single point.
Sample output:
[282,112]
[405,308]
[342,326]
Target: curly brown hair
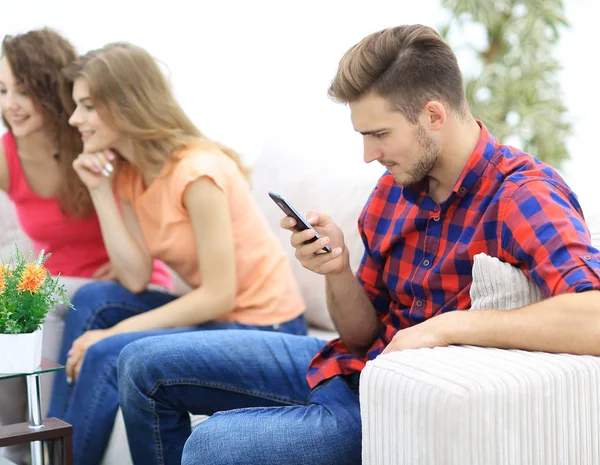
[37,59]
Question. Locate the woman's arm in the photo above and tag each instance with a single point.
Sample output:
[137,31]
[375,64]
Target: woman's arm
[129,257]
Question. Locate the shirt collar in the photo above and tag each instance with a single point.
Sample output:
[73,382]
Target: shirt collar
[478,161]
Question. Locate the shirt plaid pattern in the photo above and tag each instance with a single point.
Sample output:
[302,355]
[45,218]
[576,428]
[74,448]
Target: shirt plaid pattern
[419,254]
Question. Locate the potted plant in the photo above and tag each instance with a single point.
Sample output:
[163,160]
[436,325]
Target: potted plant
[27,293]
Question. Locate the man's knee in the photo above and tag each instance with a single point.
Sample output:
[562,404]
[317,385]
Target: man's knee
[131,367]
[207,442]
[234,437]
[141,363]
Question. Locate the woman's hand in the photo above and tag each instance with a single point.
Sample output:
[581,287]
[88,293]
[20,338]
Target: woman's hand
[76,355]
[96,169]
[105,273]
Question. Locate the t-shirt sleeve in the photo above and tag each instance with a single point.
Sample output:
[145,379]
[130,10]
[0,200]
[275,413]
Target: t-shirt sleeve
[195,165]
[544,233]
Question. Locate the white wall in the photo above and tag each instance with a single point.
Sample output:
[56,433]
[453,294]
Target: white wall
[580,79]
[251,73]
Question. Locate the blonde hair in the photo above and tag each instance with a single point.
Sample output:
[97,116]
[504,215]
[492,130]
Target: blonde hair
[408,65]
[134,97]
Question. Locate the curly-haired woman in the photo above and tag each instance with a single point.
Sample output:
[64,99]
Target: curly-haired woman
[53,206]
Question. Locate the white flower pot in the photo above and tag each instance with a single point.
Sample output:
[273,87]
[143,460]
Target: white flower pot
[20,353]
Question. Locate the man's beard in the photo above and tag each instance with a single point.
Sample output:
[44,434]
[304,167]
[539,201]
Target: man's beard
[430,154]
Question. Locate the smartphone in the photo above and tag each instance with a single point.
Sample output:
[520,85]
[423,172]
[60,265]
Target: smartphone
[301,222]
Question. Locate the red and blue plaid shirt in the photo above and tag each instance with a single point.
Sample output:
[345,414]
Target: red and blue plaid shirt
[419,254]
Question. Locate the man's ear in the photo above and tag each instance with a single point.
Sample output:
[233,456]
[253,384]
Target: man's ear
[434,115]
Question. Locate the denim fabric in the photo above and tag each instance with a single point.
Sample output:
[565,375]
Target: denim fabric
[254,386]
[91,403]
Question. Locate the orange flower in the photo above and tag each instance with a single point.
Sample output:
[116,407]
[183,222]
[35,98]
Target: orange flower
[2,272]
[32,278]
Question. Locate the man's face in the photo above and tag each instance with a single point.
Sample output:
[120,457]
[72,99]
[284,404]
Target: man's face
[405,149]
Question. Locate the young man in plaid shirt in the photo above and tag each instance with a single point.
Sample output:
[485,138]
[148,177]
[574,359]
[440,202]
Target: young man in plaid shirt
[450,191]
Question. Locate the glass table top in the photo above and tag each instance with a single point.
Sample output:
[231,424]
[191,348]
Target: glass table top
[5,461]
[46,366]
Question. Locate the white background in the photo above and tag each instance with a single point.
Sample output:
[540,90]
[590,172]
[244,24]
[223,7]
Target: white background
[255,73]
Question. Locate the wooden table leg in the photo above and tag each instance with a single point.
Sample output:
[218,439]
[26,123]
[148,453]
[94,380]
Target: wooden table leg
[67,449]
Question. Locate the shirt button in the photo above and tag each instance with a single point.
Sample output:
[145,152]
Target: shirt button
[462,190]
[419,303]
[436,218]
[426,263]
[587,257]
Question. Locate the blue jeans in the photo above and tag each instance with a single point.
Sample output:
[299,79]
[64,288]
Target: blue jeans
[254,386]
[91,403]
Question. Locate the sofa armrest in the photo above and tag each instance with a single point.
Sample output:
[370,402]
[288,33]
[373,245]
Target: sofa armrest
[464,405]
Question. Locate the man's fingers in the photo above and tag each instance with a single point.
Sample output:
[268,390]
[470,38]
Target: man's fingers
[287,222]
[316,261]
[313,218]
[317,219]
[309,249]
[300,237]
[389,348]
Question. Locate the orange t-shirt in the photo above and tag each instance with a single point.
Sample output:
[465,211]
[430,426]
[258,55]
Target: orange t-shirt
[266,290]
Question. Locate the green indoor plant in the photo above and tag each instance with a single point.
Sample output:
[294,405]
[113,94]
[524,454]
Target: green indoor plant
[517,91]
[27,293]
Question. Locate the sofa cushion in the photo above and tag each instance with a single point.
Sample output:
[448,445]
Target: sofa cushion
[499,285]
[319,185]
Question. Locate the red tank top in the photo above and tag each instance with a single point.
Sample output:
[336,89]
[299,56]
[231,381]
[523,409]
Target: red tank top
[76,244]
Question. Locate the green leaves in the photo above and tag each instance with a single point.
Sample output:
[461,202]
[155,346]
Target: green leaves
[516,94]
[25,311]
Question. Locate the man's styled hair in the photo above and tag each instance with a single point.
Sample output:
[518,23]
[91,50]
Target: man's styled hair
[407,65]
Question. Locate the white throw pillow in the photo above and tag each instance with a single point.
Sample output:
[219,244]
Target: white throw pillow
[500,286]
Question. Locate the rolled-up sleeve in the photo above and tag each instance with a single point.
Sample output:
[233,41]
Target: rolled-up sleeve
[543,232]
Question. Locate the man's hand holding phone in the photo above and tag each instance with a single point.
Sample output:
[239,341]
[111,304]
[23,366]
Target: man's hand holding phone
[311,255]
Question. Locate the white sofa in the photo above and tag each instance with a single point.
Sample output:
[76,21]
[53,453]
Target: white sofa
[463,405]
[446,406]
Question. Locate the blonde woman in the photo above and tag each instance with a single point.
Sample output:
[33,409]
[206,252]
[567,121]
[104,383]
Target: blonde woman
[186,201]
[53,207]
